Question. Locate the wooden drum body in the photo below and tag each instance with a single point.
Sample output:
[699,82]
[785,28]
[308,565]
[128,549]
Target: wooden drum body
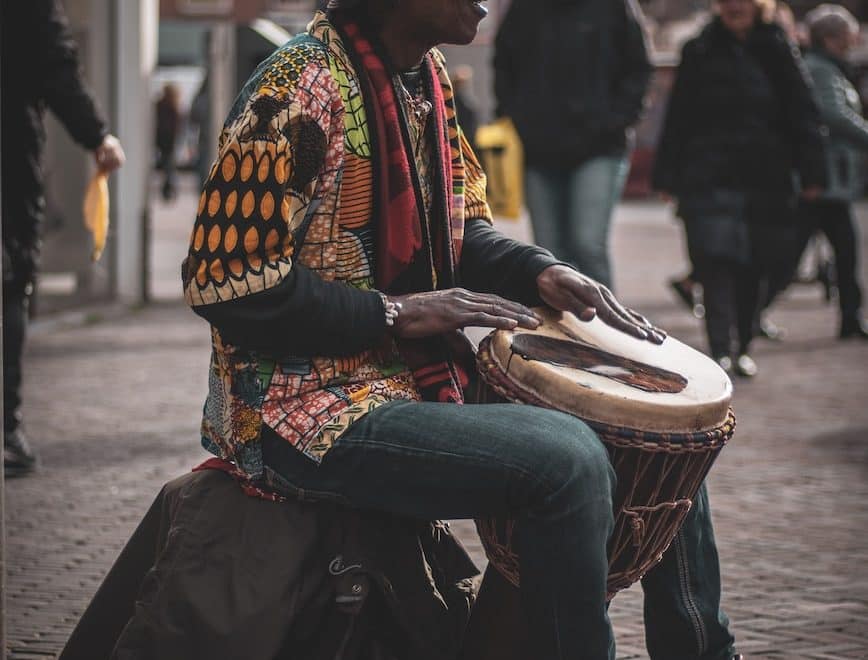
[662,411]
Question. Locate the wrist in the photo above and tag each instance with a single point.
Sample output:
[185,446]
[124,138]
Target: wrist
[391,309]
[552,270]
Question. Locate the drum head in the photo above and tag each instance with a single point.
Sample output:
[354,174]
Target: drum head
[601,374]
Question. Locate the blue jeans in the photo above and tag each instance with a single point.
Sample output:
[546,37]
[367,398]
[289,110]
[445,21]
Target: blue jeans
[571,211]
[547,469]
[683,619]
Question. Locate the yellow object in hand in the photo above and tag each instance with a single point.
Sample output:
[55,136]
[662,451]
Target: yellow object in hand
[96,211]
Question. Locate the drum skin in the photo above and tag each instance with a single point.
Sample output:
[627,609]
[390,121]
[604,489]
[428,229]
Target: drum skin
[601,374]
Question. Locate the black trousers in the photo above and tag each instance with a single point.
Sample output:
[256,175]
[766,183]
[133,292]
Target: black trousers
[731,293]
[16,301]
[835,220]
[736,254]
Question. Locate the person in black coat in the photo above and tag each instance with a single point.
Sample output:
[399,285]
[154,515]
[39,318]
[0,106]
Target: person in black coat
[742,137]
[572,76]
[40,70]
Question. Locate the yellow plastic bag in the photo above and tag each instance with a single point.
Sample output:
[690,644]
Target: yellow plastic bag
[96,211]
[502,157]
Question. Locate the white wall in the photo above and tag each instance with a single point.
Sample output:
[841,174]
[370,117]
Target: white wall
[135,56]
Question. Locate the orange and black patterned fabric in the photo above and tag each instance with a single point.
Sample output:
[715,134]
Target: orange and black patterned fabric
[291,192]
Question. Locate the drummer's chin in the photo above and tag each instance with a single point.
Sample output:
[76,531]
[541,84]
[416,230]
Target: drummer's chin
[466,26]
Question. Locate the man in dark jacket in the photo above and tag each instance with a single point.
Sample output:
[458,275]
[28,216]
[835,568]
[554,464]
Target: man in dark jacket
[572,76]
[40,69]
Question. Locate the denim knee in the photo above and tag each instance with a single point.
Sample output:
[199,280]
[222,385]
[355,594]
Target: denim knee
[576,467]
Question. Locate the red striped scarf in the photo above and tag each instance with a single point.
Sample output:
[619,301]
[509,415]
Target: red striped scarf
[401,240]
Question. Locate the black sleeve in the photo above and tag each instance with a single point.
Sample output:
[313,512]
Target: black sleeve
[493,263]
[635,69]
[803,117]
[62,86]
[303,316]
[677,126]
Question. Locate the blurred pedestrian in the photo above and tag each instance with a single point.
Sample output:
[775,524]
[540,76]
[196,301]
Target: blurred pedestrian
[572,76]
[688,289]
[40,69]
[740,123]
[168,126]
[834,31]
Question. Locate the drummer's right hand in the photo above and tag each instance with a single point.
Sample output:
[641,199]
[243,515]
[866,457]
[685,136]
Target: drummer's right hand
[439,312]
[567,290]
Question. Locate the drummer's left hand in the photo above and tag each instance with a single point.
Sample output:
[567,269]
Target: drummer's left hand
[567,290]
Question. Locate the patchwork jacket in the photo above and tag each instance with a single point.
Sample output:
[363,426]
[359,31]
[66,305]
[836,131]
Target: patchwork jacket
[282,256]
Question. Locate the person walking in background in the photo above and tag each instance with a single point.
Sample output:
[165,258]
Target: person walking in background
[688,289]
[740,123]
[168,126]
[833,32]
[40,69]
[572,77]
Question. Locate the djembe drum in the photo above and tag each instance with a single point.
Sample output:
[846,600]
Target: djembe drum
[663,412]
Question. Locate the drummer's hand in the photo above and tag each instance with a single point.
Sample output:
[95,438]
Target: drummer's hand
[438,312]
[567,290]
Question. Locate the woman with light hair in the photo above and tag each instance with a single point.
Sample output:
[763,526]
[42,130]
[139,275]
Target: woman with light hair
[740,123]
[833,32]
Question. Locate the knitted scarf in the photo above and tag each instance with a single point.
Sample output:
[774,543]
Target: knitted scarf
[403,246]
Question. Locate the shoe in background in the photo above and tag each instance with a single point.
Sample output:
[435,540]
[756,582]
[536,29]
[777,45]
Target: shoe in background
[19,458]
[745,366]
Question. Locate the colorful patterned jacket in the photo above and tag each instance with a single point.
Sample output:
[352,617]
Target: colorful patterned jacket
[282,256]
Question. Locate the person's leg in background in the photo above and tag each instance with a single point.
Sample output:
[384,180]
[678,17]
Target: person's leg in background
[595,187]
[169,189]
[779,236]
[747,283]
[546,199]
[718,285]
[781,275]
[18,457]
[444,461]
[683,618]
[837,223]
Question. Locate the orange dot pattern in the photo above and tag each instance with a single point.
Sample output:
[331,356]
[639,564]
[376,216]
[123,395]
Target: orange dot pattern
[242,242]
[257,193]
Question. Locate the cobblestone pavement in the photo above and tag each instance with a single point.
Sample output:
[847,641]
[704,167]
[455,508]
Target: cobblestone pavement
[113,401]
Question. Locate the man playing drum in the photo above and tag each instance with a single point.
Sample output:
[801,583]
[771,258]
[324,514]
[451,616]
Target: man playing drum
[342,243]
